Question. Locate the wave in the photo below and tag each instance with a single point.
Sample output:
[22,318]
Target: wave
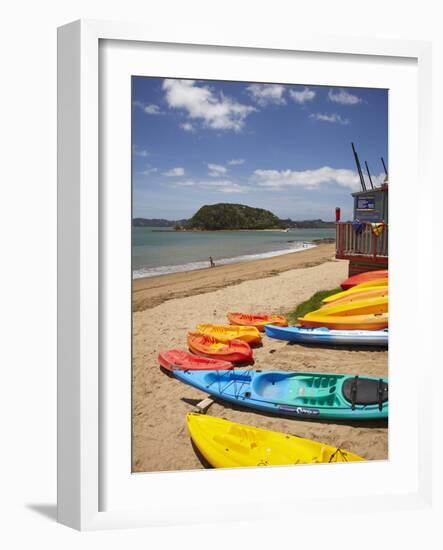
[193,266]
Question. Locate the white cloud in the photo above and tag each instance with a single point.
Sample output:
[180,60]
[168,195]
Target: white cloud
[301,96]
[140,152]
[343,97]
[265,94]
[283,179]
[150,109]
[175,172]
[217,186]
[148,171]
[216,170]
[235,162]
[201,103]
[329,118]
[187,127]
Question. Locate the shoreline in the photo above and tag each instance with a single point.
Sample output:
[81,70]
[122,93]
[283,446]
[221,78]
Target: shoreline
[149,292]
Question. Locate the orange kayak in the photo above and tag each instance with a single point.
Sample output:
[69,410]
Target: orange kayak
[364,278]
[183,360]
[208,346]
[257,320]
[370,321]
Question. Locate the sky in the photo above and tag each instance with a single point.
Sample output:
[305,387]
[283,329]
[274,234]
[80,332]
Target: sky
[286,148]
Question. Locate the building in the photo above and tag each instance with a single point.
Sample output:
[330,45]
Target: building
[364,240]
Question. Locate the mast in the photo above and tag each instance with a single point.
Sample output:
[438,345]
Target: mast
[384,166]
[369,174]
[360,173]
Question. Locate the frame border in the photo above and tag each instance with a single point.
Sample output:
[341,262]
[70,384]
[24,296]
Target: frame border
[78,387]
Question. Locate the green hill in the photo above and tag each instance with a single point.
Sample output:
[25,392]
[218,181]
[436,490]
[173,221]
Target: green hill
[232,216]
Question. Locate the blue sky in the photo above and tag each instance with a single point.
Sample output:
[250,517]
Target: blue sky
[286,148]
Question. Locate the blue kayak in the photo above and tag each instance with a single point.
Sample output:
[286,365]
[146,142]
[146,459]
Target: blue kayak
[307,395]
[323,335]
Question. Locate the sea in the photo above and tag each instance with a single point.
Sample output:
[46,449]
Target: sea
[161,250]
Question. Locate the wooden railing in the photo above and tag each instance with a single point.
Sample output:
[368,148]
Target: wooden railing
[350,243]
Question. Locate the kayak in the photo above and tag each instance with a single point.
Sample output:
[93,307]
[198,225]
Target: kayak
[180,359]
[361,294]
[323,335]
[379,304]
[207,346]
[299,394]
[226,333]
[226,444]
[257,320]
[370,321]
[364,278]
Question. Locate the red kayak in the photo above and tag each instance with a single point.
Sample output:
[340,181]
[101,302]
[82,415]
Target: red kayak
[365,277]
[207,346]
[173,359]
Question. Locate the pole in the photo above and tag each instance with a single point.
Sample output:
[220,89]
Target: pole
[384,165]
[369,174]
[360,173]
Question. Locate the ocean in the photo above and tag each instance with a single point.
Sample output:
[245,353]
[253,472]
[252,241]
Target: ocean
[157,251]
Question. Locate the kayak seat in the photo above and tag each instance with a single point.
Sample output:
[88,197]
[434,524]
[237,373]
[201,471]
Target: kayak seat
[364,391]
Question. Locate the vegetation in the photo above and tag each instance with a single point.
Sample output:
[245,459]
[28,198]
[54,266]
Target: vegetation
[313,303]
[308,224]
[156,222]
[232,216]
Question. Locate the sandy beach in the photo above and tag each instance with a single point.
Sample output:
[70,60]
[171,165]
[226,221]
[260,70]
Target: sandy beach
[167,307]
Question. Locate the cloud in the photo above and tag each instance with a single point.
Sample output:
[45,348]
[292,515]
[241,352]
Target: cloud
[150,109]
[217,186]
[148,171]
[302,96]
[175,172]
[215,111]
[216,170]
[329,118]
[283,179]
[265,94]
[343,97]
[235,162]
[140,152]
[187,127]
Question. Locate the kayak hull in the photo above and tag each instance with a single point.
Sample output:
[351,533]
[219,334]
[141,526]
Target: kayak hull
[256,320]
[180,359]
[324,335]
[363,306]
[226,333]
[226,444]
[354,322]
[364,278]
[302,395]
[206,346]
[348,296]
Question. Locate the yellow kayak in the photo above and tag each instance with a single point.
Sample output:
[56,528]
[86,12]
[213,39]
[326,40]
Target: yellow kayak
[226,444]
[356,290]
[378,304]
[370,321]
[363,294]
[226,333]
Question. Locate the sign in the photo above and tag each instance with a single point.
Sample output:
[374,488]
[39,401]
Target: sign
[366,203]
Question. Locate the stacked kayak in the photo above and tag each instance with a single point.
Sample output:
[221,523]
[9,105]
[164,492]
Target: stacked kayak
[207,346]
[369,321]
[366,277]
[324,335]
[350,295]
[180,359]
[257,320]
[226,444]
[305,395]
[226,333]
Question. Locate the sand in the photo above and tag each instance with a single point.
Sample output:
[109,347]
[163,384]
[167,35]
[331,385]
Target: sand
[167,307]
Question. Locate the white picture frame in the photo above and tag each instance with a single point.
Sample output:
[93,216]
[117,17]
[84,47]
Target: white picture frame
[82,413]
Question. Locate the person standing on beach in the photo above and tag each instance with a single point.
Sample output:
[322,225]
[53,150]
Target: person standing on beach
[211,262]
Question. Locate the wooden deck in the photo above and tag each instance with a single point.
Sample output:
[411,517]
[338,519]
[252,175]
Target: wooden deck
[364,250]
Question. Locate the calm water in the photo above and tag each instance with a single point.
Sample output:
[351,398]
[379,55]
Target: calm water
[156,251]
